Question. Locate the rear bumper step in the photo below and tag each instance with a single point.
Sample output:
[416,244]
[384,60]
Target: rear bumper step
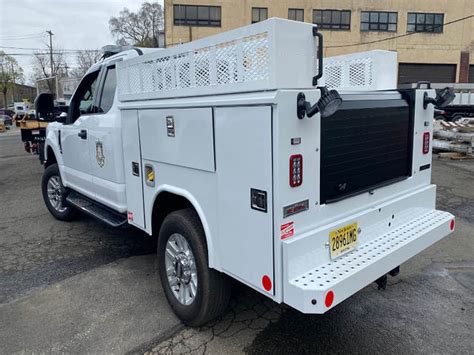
[321,288]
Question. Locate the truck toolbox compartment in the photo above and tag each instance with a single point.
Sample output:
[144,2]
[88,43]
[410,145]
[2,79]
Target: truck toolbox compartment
[340,278]
[187,142]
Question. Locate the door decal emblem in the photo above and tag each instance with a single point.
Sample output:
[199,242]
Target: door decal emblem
[99,153]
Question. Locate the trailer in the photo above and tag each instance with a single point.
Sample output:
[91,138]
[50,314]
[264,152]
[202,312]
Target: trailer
[231,152]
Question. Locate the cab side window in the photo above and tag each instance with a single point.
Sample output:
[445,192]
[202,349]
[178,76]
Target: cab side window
[108,90]
[83,101]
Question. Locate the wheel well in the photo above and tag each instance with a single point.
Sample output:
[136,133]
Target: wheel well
[51,157]
[165,203]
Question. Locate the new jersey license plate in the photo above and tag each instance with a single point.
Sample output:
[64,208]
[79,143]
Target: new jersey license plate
[343,240]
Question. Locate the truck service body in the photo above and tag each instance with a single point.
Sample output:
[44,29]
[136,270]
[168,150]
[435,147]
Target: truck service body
[306,211]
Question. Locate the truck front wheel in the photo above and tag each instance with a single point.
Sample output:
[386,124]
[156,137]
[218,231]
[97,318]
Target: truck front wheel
[54,194]
[196,293]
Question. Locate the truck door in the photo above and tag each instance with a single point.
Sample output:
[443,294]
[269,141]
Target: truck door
[75,136]
[105,144]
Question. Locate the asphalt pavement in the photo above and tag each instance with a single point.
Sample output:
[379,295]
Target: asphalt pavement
[82,287]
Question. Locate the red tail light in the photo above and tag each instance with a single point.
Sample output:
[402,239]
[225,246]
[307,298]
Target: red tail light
[426,142]
[296,170]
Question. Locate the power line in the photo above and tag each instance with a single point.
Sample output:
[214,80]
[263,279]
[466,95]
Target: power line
[41,53]
[22,38]
[42,49]
[25,36]
[399,36]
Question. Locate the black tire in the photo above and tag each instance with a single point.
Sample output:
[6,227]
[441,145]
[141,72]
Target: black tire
[65,212]
[213,287]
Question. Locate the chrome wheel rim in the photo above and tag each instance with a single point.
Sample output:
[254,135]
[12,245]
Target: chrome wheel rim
[181,269]
[55,193]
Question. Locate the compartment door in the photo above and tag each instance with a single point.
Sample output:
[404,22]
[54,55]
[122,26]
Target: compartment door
[133,168]
[244,162]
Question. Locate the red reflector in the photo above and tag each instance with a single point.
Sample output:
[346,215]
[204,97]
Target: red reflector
[451,225]
[296,170]
[329,299]
[426,142]
[267,283]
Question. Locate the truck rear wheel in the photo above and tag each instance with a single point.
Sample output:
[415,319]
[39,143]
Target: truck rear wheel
[196,293]
[54,194]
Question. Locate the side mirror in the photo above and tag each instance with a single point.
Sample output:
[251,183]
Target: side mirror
[44,105]
[443,98]
[62,117]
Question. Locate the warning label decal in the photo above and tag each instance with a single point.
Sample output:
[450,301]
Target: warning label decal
[287,230]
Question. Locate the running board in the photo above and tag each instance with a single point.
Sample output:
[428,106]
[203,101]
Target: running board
[96,210]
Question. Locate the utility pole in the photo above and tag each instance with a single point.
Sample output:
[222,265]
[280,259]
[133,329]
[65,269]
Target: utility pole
[51,55]
[13,80]
[51,50]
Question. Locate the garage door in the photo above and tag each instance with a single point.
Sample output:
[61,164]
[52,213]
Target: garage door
[471,73]
[436,73]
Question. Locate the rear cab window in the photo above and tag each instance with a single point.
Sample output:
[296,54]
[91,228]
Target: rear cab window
[108,90]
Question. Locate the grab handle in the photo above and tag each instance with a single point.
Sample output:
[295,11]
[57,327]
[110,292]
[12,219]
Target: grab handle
[320,55]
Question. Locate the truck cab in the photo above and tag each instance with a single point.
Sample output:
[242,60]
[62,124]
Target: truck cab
[87,146]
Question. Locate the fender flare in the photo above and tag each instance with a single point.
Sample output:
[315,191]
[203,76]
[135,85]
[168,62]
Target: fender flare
[197,207]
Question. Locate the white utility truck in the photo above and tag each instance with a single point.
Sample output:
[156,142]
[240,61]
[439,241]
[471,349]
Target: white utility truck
[229,151]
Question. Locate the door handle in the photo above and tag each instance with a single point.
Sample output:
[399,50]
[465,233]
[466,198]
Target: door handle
[83,134]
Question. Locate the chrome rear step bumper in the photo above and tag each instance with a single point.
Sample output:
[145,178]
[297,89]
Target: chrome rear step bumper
[322,287]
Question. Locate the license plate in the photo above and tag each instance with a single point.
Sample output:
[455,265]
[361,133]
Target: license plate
[343,240]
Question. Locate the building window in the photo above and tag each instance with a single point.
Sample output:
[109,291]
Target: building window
[191,15]
[259,14]
[421,22]
[296,14]
[332,19]
[378,21]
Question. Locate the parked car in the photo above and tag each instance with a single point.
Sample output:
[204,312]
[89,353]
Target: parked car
[6,119]
[5,111]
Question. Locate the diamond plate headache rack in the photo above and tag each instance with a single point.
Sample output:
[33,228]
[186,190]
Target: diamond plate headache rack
[273,54]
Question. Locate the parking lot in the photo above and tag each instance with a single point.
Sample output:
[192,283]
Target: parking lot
[84,287]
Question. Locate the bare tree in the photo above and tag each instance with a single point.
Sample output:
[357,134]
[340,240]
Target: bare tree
[141,28]
[10,74]
[84,60]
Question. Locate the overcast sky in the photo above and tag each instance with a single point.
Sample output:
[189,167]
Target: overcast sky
[76,24]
